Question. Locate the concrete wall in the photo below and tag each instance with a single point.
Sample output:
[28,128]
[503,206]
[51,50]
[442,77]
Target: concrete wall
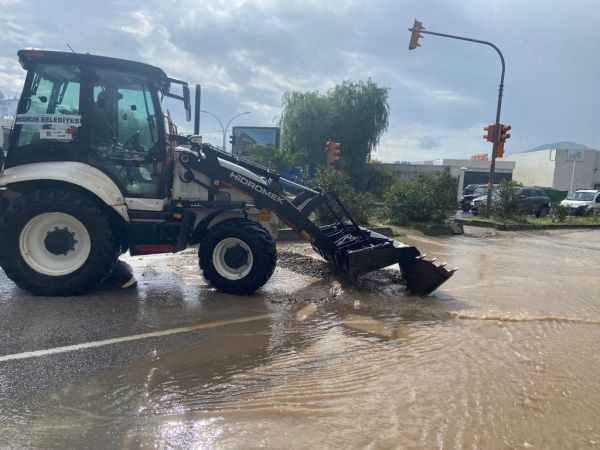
[408,171]
[552,168]
[587,170]
[473,166]
[534,168]
[477,171]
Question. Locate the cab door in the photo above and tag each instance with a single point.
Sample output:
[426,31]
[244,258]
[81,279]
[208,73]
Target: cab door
[126,136]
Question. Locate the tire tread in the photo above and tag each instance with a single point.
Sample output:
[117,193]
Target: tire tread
[104,246]
[265,259]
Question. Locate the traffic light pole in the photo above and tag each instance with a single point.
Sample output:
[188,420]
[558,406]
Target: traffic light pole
[498,109]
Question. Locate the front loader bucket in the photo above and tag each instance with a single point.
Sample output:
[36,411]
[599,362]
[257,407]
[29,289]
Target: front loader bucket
[423,277]
[356,251]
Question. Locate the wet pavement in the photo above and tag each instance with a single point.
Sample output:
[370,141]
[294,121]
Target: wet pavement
[504,355]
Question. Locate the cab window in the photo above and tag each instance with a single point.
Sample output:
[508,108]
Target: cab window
[124,115]
[49,108]
[124,131]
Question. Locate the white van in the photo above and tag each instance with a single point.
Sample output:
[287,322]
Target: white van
[582,202]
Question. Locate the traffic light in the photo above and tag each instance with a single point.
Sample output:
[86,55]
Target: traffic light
[334,152]
[504,135]
[415,35]
[500,150]
[491,134]
[504,132]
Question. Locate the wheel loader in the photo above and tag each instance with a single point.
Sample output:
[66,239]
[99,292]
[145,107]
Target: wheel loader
[96,168]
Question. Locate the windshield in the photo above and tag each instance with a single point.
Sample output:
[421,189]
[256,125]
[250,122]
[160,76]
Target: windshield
[480,191]
[49,108]
[582,196]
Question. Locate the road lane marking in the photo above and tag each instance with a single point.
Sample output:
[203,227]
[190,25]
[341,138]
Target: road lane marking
[135,337]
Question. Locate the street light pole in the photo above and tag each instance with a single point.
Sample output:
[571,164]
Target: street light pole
[224,128]
[418,29]
[227,128]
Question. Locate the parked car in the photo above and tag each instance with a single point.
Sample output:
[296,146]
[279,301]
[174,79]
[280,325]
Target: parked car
[530,200]
[582,202]
[470,193]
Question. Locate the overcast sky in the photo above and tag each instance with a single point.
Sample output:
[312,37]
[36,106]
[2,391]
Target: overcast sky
[247,53]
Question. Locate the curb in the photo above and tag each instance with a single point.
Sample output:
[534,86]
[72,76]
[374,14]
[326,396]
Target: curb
[527,227]
[287,234]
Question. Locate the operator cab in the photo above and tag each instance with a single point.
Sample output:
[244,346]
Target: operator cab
[105,112]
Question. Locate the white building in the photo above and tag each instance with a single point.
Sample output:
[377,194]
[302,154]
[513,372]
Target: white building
[467,171]
[475,171]
[559,168]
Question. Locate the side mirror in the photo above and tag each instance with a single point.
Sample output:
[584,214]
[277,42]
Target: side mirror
[187,102]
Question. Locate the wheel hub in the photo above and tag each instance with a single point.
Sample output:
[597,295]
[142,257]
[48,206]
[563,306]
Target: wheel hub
[232,258]
[55,244]
[60,241]
[236,257]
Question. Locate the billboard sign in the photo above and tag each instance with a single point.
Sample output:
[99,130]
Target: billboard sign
[244,138]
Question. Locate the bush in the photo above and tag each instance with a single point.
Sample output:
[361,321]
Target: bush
[376,179]
[359,204]
[558,213]
[507,204]
[555,195]
[425,199]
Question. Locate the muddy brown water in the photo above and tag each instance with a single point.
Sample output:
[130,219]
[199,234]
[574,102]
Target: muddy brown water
[505,355]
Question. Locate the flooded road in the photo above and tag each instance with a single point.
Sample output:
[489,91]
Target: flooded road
[504,355]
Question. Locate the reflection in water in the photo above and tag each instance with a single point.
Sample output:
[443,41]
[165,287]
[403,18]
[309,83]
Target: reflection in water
[499,359]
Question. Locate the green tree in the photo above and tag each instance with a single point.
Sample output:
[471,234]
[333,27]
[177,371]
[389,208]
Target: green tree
[425,199]
[358,204]
[279,159]
[506,203]
[377,179]
[354,113]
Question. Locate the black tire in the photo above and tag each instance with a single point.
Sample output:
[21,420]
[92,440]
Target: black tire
[103,253]
[260,243]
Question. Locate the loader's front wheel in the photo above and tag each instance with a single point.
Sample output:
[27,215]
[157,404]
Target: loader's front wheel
[56,243]
[238,256]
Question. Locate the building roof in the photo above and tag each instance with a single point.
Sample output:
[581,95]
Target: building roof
[561,145]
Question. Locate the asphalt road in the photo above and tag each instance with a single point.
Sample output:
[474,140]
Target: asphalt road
[171,363]
[170,297]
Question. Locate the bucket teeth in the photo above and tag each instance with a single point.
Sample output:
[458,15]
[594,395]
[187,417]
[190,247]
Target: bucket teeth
[423,277]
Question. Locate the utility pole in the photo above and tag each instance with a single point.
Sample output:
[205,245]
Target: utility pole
[416,33]
[224,128]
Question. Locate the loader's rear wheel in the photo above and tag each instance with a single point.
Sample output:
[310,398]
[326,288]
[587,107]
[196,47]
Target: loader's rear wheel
[238,256]
[57,243]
